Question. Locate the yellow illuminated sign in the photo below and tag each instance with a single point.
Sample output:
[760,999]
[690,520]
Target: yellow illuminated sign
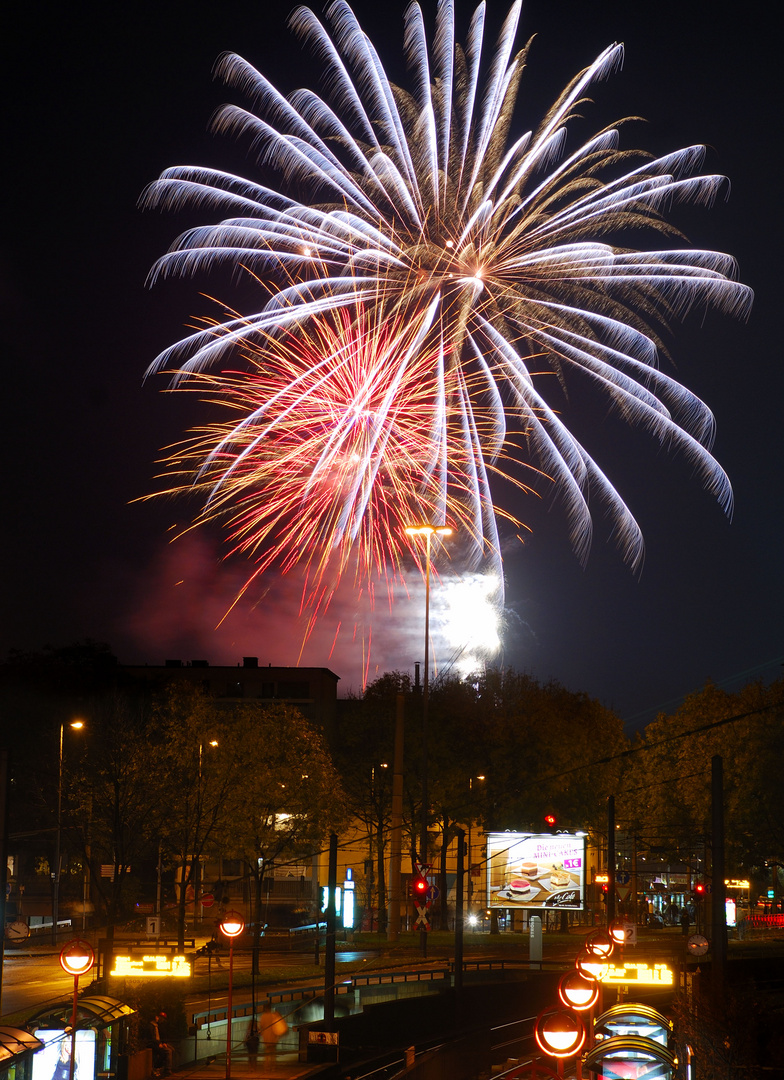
[155,967]
[641,974]
[733,883]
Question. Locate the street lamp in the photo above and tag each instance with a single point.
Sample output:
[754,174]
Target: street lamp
[470,856]
[579,991]
[77,725]
[591,965]
[560,1034]
[600,943]
[77,957]
[232,924]
[195,873]
[428,531]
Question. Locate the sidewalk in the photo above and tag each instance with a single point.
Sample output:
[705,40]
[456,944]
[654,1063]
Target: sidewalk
[281,1066]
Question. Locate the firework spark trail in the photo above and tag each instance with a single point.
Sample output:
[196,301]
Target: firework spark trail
[343,431]
[420,207]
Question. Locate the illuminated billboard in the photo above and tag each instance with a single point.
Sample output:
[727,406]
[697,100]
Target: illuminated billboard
[531,870]
[53,1062]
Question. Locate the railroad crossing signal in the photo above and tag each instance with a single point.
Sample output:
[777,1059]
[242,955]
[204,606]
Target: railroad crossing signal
[422,922]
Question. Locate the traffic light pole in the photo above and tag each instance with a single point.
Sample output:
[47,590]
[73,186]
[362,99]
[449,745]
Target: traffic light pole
[396,831]
[610,860]
[329,949]
[718,909]
[459,915]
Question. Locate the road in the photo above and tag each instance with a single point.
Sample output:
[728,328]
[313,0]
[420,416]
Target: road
[33,979]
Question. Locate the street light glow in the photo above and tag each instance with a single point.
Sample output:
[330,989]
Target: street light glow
[232,924]
[559,1033]
[77,957]
[578,990]
[428,530]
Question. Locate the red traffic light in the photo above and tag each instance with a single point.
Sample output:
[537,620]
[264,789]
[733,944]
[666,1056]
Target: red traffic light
[550,819]
[699,888]
[419,886]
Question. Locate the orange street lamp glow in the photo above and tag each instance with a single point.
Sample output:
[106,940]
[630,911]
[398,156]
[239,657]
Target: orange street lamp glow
[77,957]
[599,943]
[618,933]
[591,966]
[559,1033]
[578,991]
[232,924]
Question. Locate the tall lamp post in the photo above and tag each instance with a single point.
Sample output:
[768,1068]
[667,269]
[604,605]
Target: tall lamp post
[428,531]
[77,957]
[77,725]
[470,857]
[195,869]
[232,924]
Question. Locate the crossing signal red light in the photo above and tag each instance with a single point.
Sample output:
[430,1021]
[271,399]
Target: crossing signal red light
[699,888]
[419,886]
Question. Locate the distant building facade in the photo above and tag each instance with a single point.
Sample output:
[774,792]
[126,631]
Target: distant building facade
[312,690]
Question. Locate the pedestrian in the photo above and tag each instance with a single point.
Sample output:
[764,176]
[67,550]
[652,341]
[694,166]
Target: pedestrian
[162,1053]
[685,920]
[272,1027]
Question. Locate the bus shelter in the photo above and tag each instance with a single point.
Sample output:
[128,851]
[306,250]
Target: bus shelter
[631,1040]
[17,1047]
[102,1039]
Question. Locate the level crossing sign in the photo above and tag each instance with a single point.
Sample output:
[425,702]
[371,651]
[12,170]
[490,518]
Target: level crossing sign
[422,922]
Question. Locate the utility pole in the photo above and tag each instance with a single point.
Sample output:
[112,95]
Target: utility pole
[719,929]
[3,855]
[610,860]
[329,949]
[396,832]
[459,916]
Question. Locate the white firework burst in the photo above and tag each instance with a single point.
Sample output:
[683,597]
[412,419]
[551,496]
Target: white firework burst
[424,201]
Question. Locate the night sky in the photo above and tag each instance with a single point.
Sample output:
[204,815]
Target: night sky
[101,98]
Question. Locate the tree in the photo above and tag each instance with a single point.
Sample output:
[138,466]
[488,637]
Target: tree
[364,755]
[667,792]
[114,799]
[196,772]
[285,797]
[535,746]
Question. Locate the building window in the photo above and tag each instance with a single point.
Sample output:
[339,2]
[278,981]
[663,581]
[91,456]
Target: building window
[293,690]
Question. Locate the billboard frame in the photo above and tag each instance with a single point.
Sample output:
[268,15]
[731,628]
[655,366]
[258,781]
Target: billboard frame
[532,871]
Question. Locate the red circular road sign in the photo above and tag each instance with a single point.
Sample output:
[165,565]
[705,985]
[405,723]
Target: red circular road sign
[207,900]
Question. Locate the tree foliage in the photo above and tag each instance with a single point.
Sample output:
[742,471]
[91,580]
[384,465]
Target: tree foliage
[666,794]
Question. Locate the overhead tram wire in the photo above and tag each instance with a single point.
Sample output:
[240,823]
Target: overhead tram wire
[655,710]
[661,742]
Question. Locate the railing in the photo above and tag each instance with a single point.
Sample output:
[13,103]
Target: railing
[371,978]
